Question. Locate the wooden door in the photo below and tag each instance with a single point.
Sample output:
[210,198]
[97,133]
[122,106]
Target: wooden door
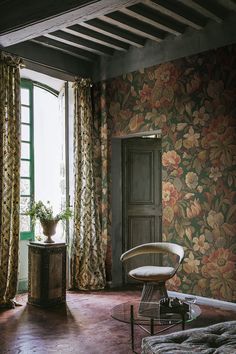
[141,180]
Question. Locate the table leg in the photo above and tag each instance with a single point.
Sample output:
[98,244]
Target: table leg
[132,326]
[152,327]
[183,321]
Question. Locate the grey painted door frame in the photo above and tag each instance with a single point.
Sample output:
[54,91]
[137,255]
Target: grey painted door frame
[116,203]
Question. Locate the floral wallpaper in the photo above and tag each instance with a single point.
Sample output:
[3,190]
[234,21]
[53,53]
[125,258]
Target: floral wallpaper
[193,101]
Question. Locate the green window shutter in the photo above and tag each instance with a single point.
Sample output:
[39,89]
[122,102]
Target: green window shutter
[27,159]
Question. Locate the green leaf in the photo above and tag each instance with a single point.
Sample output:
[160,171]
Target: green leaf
[185,163]
[181,126]
[208,235]
[229,229]
[182,210]
[197,166]
[230,180]
[217,205]
[164,175]
[178,183]
[188,108]
[220,242]
[179,228]
[185,288]
[231,215]
[178,144]
[187,242]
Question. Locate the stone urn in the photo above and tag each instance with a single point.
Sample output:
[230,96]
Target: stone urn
[49,229]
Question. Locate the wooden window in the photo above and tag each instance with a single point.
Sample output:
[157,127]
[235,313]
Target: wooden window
[27,160]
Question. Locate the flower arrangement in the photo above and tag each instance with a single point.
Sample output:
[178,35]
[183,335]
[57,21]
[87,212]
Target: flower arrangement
[39,210]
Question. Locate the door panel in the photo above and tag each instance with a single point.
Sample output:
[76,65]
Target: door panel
[141,178]
[138,227]
[140,169]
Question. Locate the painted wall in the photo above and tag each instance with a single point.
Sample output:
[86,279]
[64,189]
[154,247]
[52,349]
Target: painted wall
[193,101]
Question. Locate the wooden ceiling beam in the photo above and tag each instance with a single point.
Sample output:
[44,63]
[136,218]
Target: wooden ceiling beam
[228,4]
[115,32]
[210,9]
[53,72]
[178,12]
[134,25]
[76,41]
[191,43]
[24,20]
[155,18]
[97,37]
[71,50]
[52,58]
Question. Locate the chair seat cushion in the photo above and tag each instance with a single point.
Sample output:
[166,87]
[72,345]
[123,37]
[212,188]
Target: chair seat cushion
[152,273]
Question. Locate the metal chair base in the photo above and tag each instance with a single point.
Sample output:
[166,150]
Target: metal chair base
[152,293]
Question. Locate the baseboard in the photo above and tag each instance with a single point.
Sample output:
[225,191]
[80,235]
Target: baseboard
[22,286]
[201,300]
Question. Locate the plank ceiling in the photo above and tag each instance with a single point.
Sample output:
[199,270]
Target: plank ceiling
[112,29]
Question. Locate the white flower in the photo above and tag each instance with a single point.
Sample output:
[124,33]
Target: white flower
[215,173]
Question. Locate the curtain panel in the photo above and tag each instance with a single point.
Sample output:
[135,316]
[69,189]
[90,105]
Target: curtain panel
[9,176]
[102,164]
[87,248]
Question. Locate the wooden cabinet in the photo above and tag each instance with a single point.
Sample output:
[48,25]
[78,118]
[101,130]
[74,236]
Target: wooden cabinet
[47,274]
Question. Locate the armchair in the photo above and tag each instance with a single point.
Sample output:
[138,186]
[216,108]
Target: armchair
[154,277]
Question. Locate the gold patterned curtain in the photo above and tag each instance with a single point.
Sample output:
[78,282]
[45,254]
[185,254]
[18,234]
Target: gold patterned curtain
[9,176]
[87,251]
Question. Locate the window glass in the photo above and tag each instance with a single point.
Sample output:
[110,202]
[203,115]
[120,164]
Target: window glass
[25,186]
[24,204]
[25,150]
[49,157]
[25,114]
[42,155]
[25,96]
[25,132]
[25,225]
[25,168]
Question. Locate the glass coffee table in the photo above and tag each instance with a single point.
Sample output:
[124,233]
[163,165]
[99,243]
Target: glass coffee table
[154,318]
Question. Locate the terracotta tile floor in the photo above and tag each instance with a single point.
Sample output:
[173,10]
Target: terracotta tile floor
[83,326]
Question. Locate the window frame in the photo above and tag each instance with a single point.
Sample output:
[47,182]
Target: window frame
[28,84]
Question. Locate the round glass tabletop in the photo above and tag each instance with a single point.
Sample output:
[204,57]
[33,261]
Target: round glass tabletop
[142,312]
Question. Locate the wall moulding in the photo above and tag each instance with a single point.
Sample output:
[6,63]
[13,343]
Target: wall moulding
[146,134]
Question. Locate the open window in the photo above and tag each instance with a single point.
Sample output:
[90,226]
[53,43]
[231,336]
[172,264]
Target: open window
[42,154]
[27,159]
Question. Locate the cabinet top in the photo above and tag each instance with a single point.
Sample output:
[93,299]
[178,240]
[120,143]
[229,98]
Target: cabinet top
[47,245]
